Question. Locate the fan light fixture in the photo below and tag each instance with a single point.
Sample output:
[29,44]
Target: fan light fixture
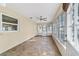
[42,18]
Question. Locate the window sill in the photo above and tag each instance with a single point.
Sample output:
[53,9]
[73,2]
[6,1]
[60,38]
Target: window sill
[75,47]
[7,31]
[64,45]
[60,45]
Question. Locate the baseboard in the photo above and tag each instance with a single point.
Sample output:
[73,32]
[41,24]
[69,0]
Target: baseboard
[17,44]
[60,46]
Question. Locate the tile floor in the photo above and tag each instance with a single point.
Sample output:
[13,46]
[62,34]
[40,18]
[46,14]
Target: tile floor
[37,46]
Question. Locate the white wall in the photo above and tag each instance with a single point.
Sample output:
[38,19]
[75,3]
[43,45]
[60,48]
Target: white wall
[27,30]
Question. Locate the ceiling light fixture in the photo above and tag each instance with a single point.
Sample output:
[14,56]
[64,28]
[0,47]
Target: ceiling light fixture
[42,18]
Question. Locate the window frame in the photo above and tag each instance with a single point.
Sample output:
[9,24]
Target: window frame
[76,25]
[1,23]
[62,25]
[73,40]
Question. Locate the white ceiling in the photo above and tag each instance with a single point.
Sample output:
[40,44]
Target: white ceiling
[35,10]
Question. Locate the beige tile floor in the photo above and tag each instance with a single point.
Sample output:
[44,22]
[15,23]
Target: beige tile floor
[37,46]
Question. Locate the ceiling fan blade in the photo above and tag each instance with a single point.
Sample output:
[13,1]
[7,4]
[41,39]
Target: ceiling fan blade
[44,18]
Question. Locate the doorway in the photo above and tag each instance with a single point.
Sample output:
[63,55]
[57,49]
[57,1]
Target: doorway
[45,29]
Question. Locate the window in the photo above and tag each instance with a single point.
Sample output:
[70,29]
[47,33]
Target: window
[49,28]
[70,24]
[78,9]
[73,25]
[8,23]
[76,23]
[78,34]
[59,28]
[62,27]
[53,28]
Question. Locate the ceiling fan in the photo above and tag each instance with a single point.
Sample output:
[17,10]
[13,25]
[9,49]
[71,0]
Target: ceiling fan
[42,18]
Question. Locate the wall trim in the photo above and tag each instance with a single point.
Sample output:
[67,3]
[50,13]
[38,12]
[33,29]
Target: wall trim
[18,43]
[60,46]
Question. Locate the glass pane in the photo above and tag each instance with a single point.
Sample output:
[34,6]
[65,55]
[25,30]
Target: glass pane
[9,19]
[7,27]
[62,21]
[76,34]
[39,29]
[78,9]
